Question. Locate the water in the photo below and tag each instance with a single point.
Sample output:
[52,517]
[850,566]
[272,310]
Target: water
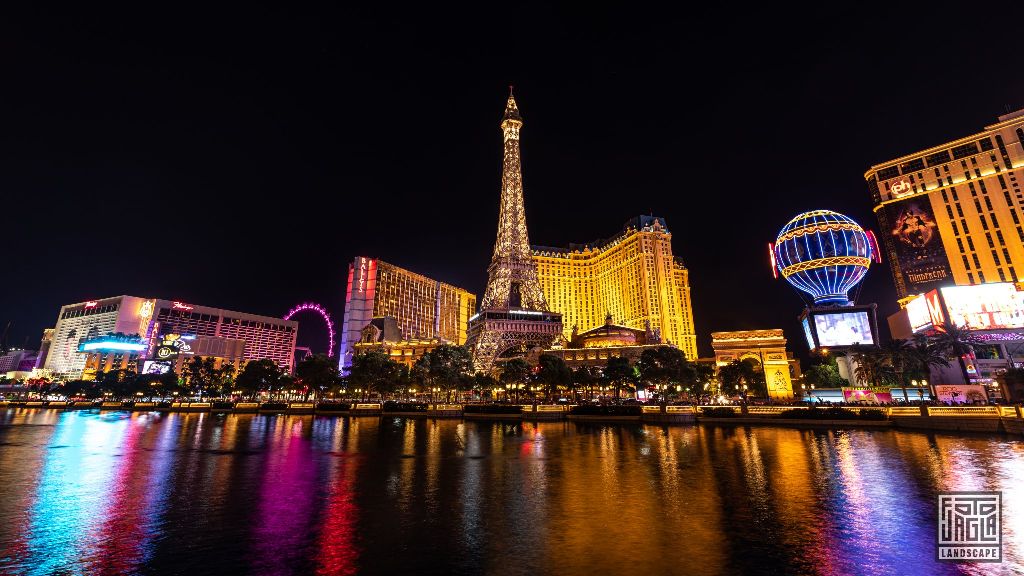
[119,493]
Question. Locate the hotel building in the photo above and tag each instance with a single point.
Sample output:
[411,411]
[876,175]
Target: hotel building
[952,214]
[263,336]
[632,277]
[423,308]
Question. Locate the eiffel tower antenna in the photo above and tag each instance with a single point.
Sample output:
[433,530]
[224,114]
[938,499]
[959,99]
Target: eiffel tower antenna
[513,313]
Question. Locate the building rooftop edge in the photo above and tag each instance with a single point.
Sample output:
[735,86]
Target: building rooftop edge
[410,272]
[1010,119]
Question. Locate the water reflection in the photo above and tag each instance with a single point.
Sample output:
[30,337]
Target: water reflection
[117,493]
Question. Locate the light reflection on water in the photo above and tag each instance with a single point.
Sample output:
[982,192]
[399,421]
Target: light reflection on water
[115,493]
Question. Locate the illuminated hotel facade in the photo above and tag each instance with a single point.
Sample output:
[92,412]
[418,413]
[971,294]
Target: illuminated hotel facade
[263,336]
[423,308]
[632,277]
[952,214]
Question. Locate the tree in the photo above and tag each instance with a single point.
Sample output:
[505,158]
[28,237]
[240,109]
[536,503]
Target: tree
[318,373]
[739,373]
[200,374]
[704,376]
[584,377]
[375,372]
[956,343]
[619,373]
[924,356]
[483,381]
[665,367]
[825,376]
[258,375]
[514,374]
[448,366]
[553,373]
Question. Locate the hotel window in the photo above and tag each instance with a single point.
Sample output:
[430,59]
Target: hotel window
[960,244]
[988,204]
[981,277]
[967,265]
[970,243]
[988,236]
[977,205]
[986,144]
[959,211]
[937,158]
[945,197]
[977,263]
[1006,255]
[1013,214]
[955,197]
[956,230]
[970,278]
[999,235]
[994,221]
[1002,277]
[971,186]
[995,258]
[984,223]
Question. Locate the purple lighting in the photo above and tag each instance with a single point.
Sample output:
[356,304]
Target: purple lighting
[313,306]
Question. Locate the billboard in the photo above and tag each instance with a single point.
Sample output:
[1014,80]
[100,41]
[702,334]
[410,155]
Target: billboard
[807,333]
[918,314]
[867,395]
[985,306]
[962,393]
[843,328]
[152,367]
[914,236]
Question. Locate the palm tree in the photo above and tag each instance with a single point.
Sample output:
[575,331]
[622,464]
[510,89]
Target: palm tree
[956,342]
[925,355]
[899,355]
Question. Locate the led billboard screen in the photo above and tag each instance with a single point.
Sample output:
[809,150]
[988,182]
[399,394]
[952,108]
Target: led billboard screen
[918,314]
[984,306]
[807,333]
[843,328]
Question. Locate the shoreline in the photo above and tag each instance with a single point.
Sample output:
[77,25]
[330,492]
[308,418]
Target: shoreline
[992,420]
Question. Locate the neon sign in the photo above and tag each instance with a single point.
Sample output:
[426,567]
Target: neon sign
[91,304]
[146,309]
[180,306]
[771,257]
[901,188]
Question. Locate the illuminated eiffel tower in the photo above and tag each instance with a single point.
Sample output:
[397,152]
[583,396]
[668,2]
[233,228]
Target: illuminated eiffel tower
[513,315]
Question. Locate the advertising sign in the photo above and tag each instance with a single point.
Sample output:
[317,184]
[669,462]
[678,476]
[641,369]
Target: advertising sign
[807,333]
[985,306]
[843,328]
[152,367]
[917,313]
[914,236]
[171,346]
[962,393]
[866,395]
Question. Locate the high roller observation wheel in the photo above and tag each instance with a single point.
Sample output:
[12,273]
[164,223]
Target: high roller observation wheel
[314,307]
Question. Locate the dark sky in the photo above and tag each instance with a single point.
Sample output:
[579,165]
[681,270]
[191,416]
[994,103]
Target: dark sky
[242,159]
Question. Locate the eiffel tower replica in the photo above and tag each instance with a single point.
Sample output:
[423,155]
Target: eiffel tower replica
[514,315]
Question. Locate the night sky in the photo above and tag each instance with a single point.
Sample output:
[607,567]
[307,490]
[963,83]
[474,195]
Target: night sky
[242,159]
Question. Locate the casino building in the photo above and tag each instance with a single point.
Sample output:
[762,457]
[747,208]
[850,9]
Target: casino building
[423,309]
[952,214]
[632,277]
[79,328]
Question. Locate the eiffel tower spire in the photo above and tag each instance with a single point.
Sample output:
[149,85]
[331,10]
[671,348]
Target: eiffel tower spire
[513,314]
[512,275]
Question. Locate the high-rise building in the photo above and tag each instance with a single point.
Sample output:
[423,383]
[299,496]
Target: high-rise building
[631,276]
[514,316]
[264,336]
[423,308]
[952,214]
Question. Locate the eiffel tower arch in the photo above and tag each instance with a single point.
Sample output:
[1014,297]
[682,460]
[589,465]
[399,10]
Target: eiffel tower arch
[514,315]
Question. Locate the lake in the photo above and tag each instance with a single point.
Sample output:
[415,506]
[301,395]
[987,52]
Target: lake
[89,492]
